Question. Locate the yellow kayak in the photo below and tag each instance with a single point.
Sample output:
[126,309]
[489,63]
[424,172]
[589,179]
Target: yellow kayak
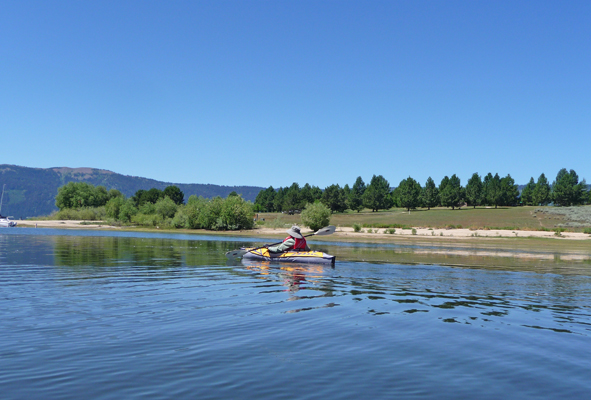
[298,256]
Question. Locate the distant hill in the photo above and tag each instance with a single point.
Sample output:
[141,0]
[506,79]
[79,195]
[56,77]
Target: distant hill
[31,192]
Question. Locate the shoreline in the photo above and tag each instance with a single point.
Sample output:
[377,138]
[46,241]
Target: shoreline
[344,233]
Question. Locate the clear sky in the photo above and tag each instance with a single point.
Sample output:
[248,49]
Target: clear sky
[274,92]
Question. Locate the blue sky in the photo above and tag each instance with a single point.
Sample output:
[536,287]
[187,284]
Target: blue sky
[274,92]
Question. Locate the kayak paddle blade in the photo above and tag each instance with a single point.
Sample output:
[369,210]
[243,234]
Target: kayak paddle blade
[329,230]
[234,254]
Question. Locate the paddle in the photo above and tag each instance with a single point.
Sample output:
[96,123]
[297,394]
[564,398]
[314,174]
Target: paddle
[329,230]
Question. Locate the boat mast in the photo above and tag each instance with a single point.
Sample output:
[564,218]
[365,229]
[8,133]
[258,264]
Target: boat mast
[2,198]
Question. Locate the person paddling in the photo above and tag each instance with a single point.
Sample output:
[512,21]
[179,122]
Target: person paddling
[295,241]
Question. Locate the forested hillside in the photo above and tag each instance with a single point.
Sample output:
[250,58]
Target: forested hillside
[31,191]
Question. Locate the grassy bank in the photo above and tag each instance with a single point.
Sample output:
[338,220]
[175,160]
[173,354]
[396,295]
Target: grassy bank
[513,218]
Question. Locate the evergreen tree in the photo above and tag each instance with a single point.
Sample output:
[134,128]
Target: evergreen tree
[452,194]
[430,194]
[346,192]
[316,193]
[269,200]
[442,186]
[355,199]
[278,200]
[175,194]
[409,193]
[527,194]
[566,189]
[494,194]
[474,190]
[334,198]
[306,194]
[510,191]
[291,199]
[541,195]
[485,185]
[377,194]
[260,200]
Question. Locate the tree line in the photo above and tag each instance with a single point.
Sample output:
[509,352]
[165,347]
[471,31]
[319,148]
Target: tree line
[492,190]
[153,207]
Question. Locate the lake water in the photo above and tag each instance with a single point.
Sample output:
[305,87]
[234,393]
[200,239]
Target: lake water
[108,315]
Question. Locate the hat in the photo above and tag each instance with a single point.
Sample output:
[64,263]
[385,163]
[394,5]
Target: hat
[295,232]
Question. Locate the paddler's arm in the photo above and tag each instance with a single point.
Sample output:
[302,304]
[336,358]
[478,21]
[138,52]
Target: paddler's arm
[283,246]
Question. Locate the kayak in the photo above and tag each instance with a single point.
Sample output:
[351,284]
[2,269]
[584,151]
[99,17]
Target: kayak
[297,256]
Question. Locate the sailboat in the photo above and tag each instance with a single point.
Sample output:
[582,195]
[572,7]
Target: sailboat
[4,221]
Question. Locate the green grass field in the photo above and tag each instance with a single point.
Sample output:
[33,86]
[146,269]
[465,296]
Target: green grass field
[522,218]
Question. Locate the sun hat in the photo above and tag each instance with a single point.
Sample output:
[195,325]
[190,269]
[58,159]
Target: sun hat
[295,232]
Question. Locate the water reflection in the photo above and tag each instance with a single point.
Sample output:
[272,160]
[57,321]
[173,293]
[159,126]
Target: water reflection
[76,251]
[314,279]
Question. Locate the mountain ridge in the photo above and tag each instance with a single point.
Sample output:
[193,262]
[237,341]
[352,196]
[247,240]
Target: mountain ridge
[31,191]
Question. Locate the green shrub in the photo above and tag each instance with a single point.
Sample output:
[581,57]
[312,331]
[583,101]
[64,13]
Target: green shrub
[236,214]
[231,213]
[127,211]
[147,219]
[587,231]
[558,231]
[180,219]
[356,228]
[414,231]
[165,207]
[316,216]
[147,208]
[113,206]
[86,213]
[390,231]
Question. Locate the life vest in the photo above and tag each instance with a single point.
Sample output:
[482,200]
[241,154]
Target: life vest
[300,244]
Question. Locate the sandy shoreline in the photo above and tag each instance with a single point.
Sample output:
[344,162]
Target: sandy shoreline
[349,233]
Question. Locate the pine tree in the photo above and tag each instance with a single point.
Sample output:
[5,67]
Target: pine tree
[451,196]
[541,195]
[430,194]
[292,199]
[377,194]
[474,190]
[494,194]
[355,199]
[566,189]
[527,194]
[442,186]
[409,193]
[334,198]
[509,191]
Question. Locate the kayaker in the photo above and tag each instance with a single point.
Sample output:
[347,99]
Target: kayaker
[295,241]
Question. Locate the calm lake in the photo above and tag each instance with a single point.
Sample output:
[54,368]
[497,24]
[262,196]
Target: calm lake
[123,315]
